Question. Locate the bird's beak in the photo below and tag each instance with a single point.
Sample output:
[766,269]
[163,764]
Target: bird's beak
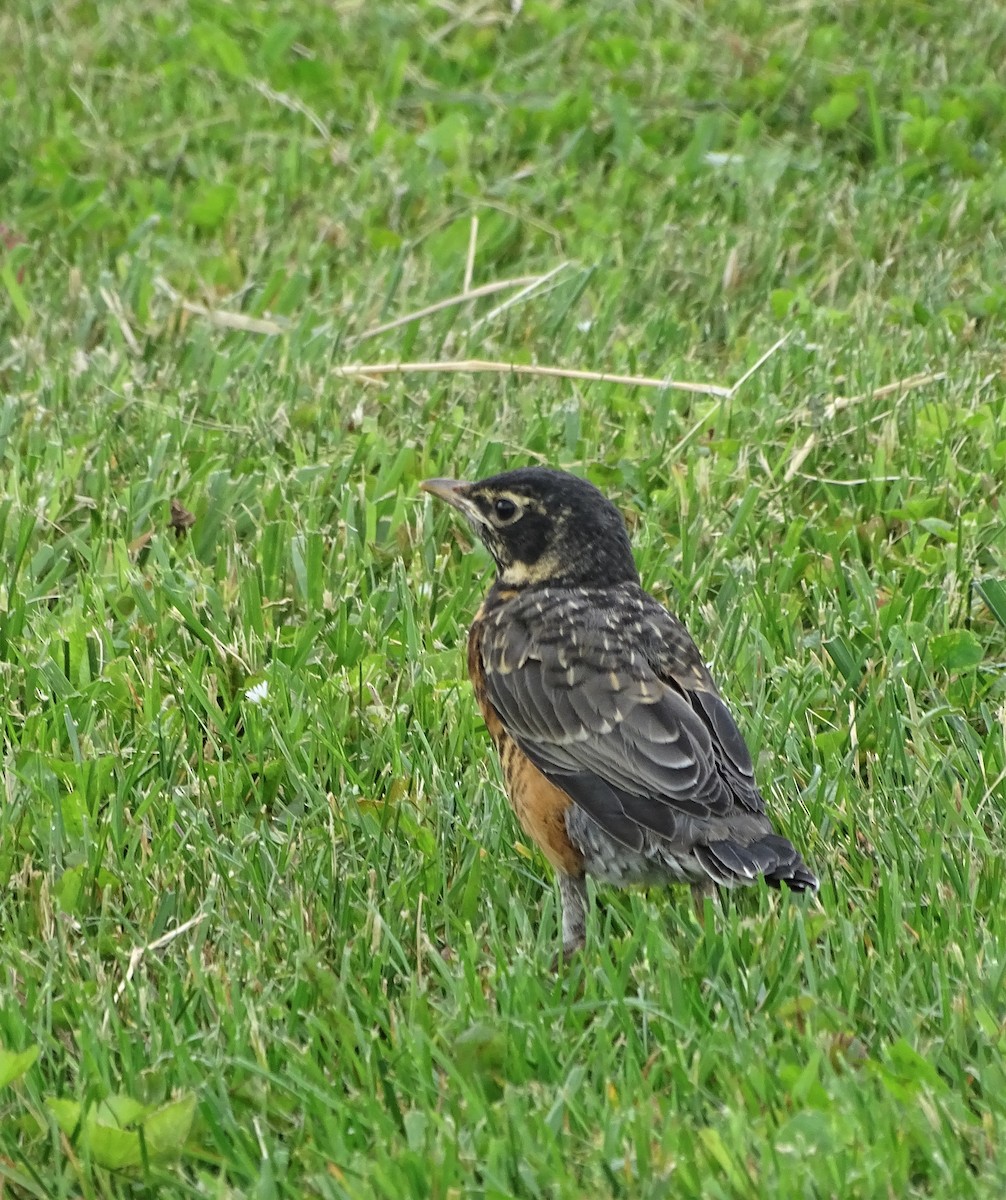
[454,492]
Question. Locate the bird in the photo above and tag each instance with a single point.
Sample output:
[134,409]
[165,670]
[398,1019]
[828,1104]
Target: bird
[619,755]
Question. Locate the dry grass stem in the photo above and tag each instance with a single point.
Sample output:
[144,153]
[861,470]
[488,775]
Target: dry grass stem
[486,289]
[473,238]
[888,389]
[537,287]
[476,366]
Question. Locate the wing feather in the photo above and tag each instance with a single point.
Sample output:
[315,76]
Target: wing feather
[609,697]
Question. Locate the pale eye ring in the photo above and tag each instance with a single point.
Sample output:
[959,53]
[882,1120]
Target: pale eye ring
[505,509]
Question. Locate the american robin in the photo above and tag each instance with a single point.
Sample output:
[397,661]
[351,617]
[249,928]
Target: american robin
[620,757]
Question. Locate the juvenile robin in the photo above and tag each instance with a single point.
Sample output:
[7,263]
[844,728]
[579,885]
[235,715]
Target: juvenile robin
[620,757]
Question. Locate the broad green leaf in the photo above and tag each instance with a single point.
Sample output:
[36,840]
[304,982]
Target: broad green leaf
[66,1114]
[166,1130]
[112,1147]
[211,205]
[837,111]
[117,1111]
[956,651]
[68,889]
[14,1063]
[119,1130]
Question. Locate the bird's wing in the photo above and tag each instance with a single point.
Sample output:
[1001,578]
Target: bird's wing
[609,698]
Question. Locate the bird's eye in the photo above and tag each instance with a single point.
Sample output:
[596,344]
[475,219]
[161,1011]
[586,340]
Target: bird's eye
[505,509]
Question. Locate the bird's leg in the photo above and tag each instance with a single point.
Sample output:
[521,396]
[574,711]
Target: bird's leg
[573,891]
[699,893]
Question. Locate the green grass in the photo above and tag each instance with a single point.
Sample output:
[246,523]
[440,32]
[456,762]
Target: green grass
[361,1005]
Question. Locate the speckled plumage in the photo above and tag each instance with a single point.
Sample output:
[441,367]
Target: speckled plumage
[620,757]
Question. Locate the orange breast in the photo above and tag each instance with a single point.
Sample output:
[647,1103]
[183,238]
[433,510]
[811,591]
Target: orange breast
[540,805]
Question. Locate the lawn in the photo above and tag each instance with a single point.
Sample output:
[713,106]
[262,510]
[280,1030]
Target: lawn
[267,925]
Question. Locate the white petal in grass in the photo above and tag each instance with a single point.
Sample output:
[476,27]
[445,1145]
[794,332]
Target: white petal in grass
[258,694]
[716,158]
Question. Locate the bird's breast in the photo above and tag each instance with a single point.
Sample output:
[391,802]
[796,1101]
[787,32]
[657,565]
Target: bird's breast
[539,805]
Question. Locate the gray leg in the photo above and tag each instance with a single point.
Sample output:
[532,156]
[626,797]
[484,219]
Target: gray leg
[699,893]
[573,890]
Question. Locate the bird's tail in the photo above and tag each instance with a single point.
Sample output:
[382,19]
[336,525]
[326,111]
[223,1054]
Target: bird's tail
[731,864]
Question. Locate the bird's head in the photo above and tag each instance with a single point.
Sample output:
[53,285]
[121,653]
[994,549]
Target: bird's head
[544,527]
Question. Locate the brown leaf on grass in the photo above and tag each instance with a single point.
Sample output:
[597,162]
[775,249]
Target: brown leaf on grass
[139,544]
[181,519]
[8,240]
[181,522]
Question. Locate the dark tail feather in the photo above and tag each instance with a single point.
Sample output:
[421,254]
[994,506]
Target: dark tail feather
[731,865]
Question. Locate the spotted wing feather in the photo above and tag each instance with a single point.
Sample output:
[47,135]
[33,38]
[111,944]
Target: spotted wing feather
[609,698]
